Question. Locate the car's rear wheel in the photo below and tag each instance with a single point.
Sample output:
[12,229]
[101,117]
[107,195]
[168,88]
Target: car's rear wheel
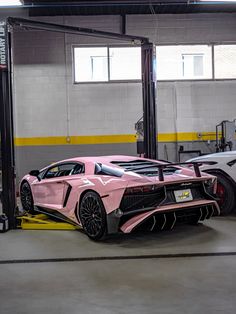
[92,215]
[26,197]
[225,193]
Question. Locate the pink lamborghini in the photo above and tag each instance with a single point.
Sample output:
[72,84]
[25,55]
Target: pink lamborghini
[109,194]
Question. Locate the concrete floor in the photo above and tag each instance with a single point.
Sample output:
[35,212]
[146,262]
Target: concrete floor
[29,283]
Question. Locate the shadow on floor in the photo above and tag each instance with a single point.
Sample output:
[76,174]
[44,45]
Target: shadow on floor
[161,238]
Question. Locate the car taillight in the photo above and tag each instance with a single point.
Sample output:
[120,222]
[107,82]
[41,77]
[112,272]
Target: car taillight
[141,189]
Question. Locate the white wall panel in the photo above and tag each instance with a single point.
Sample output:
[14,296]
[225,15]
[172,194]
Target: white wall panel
[39,84]
[47,103]
[40,107]
[184,28]
[199,106]
[109,23]
[104,108]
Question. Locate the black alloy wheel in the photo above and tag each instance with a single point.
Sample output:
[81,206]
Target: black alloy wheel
[27,198]
[225,193]
[93,216]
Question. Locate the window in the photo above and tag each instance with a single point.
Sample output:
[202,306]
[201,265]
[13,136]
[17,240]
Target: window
[225,61]
[78,169]
[101,169]
[183,62]
[103,64]
[192,65]
[125,63]
[64,170]
[176,62]
[91,64]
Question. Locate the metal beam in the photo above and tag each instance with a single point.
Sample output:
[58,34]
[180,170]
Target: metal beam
[148,71]
[149,101]
[6,127]
[29,24]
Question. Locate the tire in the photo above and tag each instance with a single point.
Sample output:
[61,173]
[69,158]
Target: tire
[225,193]
[26,198]
[92,215]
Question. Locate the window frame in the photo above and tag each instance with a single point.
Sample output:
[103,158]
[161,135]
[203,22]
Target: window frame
[108,46]
[192,55]
[189,44]
[211,44]
[61,164]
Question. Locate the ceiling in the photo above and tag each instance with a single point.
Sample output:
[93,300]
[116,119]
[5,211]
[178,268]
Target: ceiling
[122,7]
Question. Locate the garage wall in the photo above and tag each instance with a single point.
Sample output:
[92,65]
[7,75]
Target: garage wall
[50,109]
[184,28]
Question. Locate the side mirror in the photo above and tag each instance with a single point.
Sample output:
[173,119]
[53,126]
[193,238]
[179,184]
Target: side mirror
[34,173]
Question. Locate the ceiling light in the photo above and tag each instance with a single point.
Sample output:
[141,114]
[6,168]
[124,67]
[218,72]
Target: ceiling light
[10,3]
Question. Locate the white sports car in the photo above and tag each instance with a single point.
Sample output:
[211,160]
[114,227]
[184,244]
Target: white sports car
[222,165]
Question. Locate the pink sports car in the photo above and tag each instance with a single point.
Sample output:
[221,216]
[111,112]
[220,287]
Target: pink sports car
[109,194]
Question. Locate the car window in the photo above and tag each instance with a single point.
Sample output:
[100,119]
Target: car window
[78,169]
[42,173]
[61,170]
[101,169]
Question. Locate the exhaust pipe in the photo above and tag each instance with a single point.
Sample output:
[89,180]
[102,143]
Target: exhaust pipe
[210,213]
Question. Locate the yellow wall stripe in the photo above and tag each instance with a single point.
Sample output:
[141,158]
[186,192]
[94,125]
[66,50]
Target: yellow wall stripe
[186,137]
[110,139]
[75,140]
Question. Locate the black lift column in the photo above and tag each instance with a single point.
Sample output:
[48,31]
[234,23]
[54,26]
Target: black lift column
[6,127]
[149,101]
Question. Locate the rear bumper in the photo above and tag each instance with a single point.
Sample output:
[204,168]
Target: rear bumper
[165,216]
[201,209]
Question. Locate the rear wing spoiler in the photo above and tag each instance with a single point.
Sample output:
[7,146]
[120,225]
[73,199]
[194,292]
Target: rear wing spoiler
[195,164]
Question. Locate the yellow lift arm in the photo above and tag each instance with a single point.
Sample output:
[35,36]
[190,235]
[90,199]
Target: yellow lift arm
[42,222]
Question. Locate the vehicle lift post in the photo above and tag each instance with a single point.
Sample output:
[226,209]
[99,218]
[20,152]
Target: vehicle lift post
[6,112]
[8,196]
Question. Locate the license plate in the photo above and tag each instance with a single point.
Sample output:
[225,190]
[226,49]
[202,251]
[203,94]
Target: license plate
[183,195]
